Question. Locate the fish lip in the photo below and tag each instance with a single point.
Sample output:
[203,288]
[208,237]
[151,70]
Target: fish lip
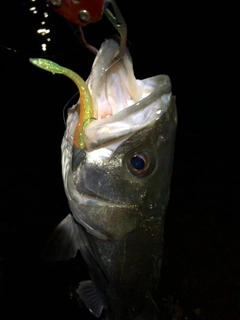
[101,201]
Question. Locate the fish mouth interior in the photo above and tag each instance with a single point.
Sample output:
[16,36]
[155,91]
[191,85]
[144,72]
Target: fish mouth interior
[122,104]
[112,84]
[133,118]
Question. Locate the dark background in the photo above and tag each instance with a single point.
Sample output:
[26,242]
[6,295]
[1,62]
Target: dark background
[196,45]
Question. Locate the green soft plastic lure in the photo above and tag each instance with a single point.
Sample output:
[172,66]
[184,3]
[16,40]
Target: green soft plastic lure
[86,105]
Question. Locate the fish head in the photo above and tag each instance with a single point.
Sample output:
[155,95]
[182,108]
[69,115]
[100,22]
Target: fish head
[123,176]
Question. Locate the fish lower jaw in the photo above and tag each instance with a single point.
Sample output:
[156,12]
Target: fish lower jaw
[83,196]
[85,199]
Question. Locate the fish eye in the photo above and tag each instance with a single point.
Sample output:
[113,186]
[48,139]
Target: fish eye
[138,163]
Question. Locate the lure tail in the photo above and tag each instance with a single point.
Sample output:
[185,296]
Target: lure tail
[86,105]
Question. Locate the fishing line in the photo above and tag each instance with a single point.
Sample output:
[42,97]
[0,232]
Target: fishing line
[41,55]
[65,106]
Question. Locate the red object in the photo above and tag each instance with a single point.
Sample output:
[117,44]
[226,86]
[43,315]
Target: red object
[71,10]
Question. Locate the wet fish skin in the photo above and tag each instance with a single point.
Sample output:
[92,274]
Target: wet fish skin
[117,219]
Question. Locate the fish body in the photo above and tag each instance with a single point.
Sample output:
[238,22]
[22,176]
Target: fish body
[118,188]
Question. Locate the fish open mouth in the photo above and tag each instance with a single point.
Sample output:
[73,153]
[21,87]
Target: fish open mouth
[122,104]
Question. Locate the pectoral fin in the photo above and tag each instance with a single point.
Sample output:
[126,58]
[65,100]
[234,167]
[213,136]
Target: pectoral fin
[92,297]
[64,242]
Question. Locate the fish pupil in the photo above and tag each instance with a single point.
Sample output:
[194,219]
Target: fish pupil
[137,162]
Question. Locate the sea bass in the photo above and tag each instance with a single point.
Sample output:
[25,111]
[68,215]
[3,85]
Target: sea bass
[117,188]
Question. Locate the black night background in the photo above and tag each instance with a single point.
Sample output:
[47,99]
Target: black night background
[195,44]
